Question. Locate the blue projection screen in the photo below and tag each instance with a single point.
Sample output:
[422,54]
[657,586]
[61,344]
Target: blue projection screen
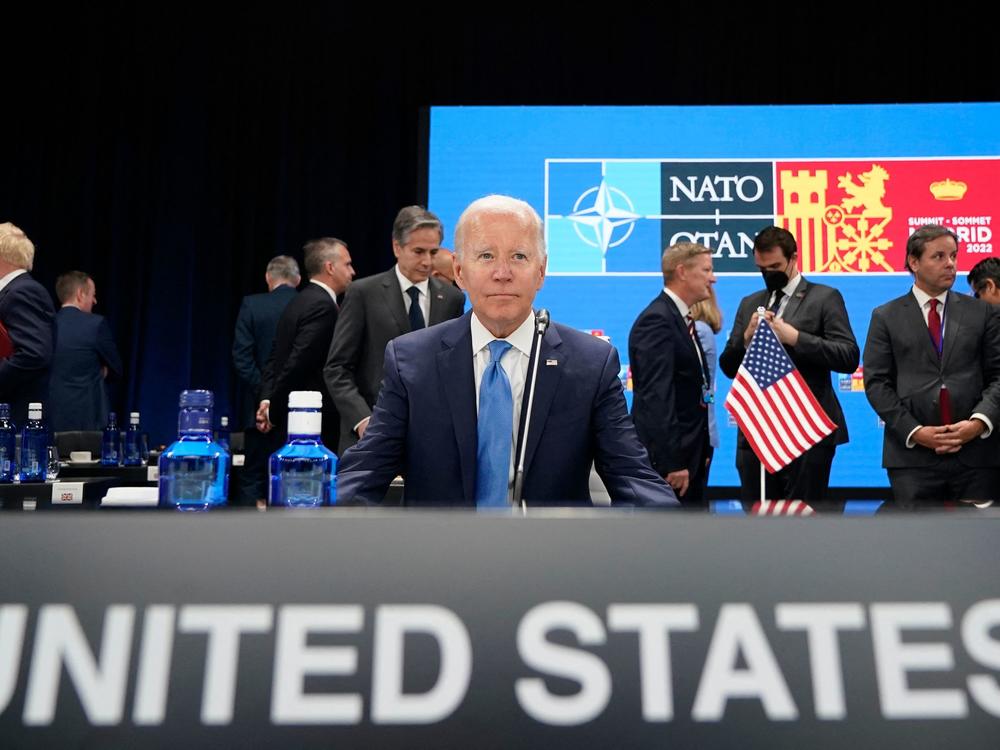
[615,185]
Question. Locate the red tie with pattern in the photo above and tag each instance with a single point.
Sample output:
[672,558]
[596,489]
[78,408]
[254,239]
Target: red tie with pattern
[934,326]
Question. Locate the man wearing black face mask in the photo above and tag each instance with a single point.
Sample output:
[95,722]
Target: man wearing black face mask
[811,321]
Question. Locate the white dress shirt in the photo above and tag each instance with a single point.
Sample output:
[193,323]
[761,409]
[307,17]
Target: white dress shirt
[514,363]
[333,294]
[685,313]
[10,277]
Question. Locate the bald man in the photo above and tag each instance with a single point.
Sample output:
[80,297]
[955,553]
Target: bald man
[444,268]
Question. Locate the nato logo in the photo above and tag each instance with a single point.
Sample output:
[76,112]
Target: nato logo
[602,216]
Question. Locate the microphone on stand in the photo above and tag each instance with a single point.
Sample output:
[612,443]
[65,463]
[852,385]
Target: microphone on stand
[541,325]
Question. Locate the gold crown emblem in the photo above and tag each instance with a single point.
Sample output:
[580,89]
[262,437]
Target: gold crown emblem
[948,189]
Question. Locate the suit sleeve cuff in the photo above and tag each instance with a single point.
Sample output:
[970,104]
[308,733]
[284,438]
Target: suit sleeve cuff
[986,421]
[362,422]
[909,438]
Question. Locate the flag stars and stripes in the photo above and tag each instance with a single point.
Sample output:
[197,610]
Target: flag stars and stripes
[772,404]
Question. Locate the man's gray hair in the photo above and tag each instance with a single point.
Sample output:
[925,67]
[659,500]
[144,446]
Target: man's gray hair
[318,252]
[284,268]
[412,218]
[15,247]
[498,205]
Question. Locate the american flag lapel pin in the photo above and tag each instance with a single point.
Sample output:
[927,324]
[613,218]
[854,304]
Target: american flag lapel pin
[552,363]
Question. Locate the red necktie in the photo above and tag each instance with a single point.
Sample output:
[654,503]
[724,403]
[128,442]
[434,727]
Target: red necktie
[934,326]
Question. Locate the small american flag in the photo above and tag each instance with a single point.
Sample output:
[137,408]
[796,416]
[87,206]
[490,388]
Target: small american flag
[781,508]
[772,404]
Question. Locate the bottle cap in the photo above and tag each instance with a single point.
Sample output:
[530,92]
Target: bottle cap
[305,400]
[196,398]
[35,405]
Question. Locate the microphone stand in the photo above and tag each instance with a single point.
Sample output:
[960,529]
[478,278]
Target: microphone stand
[541,325]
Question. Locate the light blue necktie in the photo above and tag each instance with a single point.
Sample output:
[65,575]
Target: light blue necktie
[496,426]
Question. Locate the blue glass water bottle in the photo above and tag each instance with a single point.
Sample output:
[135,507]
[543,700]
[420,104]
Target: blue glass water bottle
[136,452]
[303,471]
[8,441]
[194,470]
[111,442]
[34,446]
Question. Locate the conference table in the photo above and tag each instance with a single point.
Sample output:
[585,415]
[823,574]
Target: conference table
[545,628]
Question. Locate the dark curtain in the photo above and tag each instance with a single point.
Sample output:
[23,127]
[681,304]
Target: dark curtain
[171,151]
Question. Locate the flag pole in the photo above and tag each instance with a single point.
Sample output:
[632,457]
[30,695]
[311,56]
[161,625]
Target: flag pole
[762,498]
[762,319]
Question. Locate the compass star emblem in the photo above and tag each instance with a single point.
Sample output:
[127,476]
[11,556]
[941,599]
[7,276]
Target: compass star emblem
[603,211]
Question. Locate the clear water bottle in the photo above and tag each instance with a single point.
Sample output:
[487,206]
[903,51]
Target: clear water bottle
[111,442]
[194,470]
[136,452]
[34,446]
[8,441]
[303,471]
[222,434]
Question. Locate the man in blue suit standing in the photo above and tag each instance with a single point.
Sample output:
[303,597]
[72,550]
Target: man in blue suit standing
[670,373]
[27,326]
[252,342]
[455,395]
[85,358]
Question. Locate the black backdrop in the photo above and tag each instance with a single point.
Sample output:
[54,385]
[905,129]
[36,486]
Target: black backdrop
[171,151]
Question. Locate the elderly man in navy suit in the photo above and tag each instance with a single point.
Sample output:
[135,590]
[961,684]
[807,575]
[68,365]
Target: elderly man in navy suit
[455,395]
[85,358]
[27,326]
[255,328]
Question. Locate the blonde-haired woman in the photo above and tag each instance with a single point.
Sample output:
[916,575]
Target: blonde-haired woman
[707,323]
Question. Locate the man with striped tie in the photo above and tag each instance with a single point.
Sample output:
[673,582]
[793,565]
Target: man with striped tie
[810,320]
[932,372]
[671,382]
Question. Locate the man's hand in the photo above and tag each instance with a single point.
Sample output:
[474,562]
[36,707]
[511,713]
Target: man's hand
[261,418]
[934,438]
[787,333]
[958,434]
[679,481]
[750,329]
[362,426]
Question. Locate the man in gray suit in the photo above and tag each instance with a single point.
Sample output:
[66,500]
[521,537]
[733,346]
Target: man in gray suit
[811,321]
[380,308]
[932,372]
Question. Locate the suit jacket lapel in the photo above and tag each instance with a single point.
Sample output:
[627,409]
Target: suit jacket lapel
[393,299]
[680,324]
[549,375]
[436,294]
[912,319]
[953,318]
[457,378]
[795,300]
